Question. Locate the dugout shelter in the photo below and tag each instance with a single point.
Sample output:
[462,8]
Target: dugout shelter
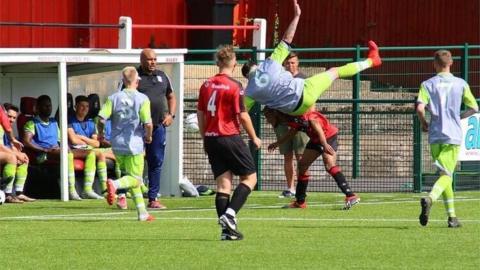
[33,72]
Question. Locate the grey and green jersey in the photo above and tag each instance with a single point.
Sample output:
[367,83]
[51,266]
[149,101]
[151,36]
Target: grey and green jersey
[443,95]
[272,85]
[128,110]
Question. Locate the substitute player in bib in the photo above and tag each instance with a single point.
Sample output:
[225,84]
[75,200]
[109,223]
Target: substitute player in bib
[21,162]
[82,137]
[220,112]
[131,127]
[442,95]
[42,139]
[271,85]
[323,141]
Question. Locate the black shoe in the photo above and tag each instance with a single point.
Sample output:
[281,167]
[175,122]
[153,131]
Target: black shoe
[454,223]
[230,223]
[228,236]
[426,204]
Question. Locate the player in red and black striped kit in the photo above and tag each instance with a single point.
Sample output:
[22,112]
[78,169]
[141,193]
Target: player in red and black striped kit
[323,141]
[220,112]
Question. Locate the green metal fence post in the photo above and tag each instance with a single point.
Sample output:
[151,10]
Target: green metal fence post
[465,59]
[465,62]
[355,119]
[257,125]
[417,155]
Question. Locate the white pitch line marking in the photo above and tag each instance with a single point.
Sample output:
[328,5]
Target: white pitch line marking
[314,204]
[319,204]
[105,218]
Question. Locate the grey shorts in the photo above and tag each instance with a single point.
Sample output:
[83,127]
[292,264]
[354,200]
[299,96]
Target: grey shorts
[296,145]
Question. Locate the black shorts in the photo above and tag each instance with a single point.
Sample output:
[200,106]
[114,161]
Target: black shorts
[229,153]
[319,148]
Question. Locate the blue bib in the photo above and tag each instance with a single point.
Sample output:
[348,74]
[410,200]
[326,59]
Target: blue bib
[85,128]
[46,134]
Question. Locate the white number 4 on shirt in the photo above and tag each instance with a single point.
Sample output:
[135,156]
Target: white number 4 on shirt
[211,104]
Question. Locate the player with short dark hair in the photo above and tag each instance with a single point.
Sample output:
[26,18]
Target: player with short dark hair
[7,127]
[8,151]
[82,136]
[323,142]
[443,95]
[220,112]
[42,135]
[271,85]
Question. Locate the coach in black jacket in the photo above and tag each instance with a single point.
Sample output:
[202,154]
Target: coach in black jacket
[156,85]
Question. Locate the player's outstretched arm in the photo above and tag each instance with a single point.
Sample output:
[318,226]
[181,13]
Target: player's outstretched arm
[285,138]
[470,102]
[292,27]
[469,112]
[100,128]
[201,123]
[321,135]
[104,113]
[73,138]
[421,116]
[148,132]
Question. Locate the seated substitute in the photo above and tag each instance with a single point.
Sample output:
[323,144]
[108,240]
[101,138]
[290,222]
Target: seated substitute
[21,163]
[41,137]
[82,137]
[15,163]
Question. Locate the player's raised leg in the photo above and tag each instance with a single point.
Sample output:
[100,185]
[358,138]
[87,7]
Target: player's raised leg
[317,84]
[373,60]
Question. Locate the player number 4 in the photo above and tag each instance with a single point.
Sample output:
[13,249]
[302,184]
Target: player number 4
[211,103]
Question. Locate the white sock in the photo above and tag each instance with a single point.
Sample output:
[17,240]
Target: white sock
[231,212]
[364,64]
[116,184]
[143,215]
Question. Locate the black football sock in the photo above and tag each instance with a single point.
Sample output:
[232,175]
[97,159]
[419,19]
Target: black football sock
[222,200]
[301,191]
[239,197]
[337,174]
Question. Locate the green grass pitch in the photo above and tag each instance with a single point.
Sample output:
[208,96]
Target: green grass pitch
[382,232]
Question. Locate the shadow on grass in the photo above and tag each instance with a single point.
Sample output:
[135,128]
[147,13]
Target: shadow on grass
[122,240]
[59,220]
[71,207]
[401,227]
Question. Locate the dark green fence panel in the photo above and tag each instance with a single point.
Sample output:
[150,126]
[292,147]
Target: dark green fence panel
[381,145]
